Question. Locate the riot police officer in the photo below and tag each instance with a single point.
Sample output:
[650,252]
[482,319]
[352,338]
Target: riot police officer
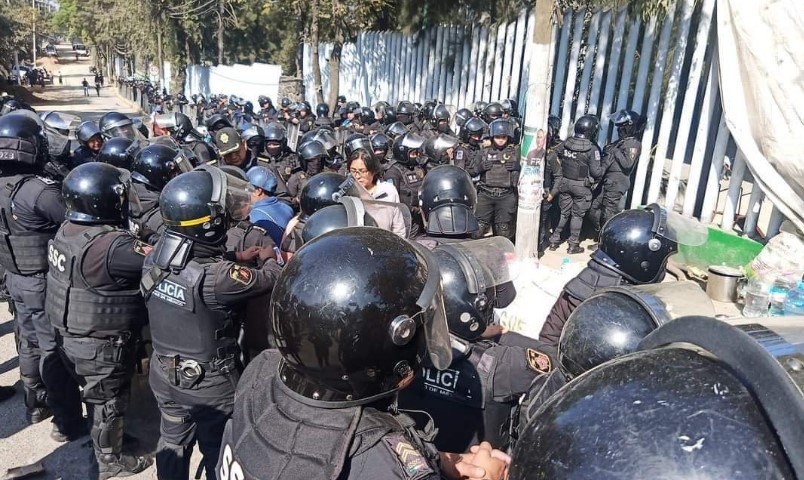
[305,119]
[179,126]
[634,248]
[440,119]
[474,399]
[407,174]
[590,339]
[322,118]
[581,168]
[154,166]
[190,287]
[31,210]
[636,417]
[282,159]
[405,112]
[472,134]
[95,304]
[619,162]
[312,157]
[498,167]
[322,378]
[91,140]
[447,199]
[267,111]
[381,149]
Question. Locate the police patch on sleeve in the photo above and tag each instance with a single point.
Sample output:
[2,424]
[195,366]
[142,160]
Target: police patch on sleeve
[538,361]
[411,460]
[240,274]
[459,155]
[142,248]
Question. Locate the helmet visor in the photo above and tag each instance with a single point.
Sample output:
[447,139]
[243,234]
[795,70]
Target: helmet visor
[678,228]
[125,131]
[230,192]
[431,301]
[65,123]
[166,121]
[486,263]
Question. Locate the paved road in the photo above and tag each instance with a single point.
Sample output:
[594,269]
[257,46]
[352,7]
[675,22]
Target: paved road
[21,444]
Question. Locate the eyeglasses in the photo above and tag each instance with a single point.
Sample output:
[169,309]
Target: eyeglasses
[357,172]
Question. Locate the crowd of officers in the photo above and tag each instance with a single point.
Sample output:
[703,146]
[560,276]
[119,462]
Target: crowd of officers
[327,345]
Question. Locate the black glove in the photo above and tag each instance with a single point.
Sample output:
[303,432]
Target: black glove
[487,163]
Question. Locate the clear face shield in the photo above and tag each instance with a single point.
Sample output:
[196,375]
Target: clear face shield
[64,124]
[678,228]
[229,192]
[487,262]
[433,316]
[165,122]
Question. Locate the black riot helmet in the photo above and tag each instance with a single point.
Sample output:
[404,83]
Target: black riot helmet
[637,243]
[313,155]
[10,106]
[285,102]
[198,205]
[480,108]
[23,142]
[407,148]
[355,142]
[320,191]
[367,116]
[470,273]
[389,116]
[264,101]
[155,165]
[586,127]
[553,130]
[473,130]
[447,199]
[116,124]
[87,130]
[500,127]
[377,311]
[437,148]
[405,112]
[304,107]
[119,151]
[699,399]
[613,321]
[426,110]
[322,110]
[334,217]
[96,193]
[628,122]
[276,138]
[380,144]
[462,116]
[248,107]
[492,112]
[396,129]
[217,122]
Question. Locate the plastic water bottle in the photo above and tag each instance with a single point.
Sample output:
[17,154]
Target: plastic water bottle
[565,264]
[757,298]
[794,304]
[778,294]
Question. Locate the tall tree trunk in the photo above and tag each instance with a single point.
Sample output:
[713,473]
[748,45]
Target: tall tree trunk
[314,39]
[335,70]
[220,31]
[160,54]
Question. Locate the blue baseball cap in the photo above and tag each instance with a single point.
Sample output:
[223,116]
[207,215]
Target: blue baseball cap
[262,177]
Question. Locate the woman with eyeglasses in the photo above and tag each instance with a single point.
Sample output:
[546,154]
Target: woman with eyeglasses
[367,170]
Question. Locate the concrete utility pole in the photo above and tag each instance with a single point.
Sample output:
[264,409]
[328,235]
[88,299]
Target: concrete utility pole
[536,112]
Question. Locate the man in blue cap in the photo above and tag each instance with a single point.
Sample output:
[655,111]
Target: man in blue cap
[267,210]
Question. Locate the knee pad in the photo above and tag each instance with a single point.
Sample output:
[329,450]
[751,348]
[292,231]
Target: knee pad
[481,231]
[504,230]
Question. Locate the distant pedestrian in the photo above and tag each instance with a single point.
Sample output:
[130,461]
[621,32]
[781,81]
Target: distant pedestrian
[60,81]
[97,88]
[85,84]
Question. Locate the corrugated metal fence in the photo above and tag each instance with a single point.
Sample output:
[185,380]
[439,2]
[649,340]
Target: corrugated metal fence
[604,61]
